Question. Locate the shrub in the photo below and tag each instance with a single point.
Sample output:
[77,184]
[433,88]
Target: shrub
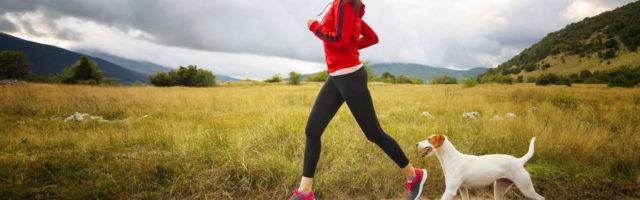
[611,43]
[444,80]
[294,78]
[520,79]
[547,79]
[609,54]
[563,99]
[584,74]
[621,81]
[139,84]
[468,83]
[112,81]
[575,78]
[275,79]
[497,78]
[531,79]
[416,81]
[529,67]
[189,76]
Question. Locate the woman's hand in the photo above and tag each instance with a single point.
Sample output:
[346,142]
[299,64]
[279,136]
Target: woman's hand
[309,22]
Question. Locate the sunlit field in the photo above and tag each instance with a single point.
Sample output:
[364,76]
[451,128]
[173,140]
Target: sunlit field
[246,141]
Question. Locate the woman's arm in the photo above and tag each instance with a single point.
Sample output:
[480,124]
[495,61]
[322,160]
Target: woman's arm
[368,36]
[345,19]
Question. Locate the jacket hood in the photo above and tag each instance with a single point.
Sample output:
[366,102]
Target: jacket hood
[361,10]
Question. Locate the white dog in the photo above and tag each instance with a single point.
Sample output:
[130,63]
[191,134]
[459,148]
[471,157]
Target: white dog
[463,171]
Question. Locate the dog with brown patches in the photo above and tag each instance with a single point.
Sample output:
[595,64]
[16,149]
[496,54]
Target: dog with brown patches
[462,171]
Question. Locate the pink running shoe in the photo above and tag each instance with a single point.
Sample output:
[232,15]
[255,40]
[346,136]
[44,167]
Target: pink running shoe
[299,196]
[415,186]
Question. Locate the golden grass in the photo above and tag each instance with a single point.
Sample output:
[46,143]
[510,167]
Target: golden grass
[246,141]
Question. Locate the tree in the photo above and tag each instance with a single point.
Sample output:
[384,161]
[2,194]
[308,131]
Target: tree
[387,77]
[318,77]
[160,79]
[294,78]
[204,78]
[84,71]
[402,79]
[370,75]
[13,65]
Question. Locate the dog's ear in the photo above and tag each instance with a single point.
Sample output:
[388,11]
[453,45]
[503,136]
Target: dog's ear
[437,140]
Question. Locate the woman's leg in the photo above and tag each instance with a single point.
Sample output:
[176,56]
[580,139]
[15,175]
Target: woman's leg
[327,104]
[354,90]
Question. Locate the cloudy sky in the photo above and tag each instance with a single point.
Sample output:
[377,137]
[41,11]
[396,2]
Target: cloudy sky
[258,38]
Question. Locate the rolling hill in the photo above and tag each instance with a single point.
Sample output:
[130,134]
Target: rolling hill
[423,71]
[142,66]
[48,60]
[426,73]
[603,42]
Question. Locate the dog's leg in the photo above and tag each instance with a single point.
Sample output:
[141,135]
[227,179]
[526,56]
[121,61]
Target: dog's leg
[464,193]
[452,189]
[500,187]
[522,180]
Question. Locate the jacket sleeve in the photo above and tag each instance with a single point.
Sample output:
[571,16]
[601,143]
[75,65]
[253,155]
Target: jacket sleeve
[368,36]
[344,23]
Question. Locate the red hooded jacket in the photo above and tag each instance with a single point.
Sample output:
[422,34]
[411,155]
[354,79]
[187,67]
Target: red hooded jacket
[340,32]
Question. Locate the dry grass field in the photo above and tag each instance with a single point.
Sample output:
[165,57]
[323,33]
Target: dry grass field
[246,141]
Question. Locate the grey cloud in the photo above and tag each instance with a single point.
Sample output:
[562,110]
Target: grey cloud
[6,25]
[261,27]
[432,32]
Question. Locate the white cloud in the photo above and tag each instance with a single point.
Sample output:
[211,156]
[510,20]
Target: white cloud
[580,9]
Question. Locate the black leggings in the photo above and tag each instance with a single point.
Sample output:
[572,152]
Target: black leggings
[351,88]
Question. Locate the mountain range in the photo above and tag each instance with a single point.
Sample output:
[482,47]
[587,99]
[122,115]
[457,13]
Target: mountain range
[423,71]
[142,66]
[47,60]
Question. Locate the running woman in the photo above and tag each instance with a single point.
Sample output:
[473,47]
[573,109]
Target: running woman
[340,32]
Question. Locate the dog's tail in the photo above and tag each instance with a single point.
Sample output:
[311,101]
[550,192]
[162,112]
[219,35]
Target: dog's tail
[529,154]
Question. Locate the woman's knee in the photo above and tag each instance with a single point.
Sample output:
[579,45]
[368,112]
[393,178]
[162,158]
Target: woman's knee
[376,136]
[312,133]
